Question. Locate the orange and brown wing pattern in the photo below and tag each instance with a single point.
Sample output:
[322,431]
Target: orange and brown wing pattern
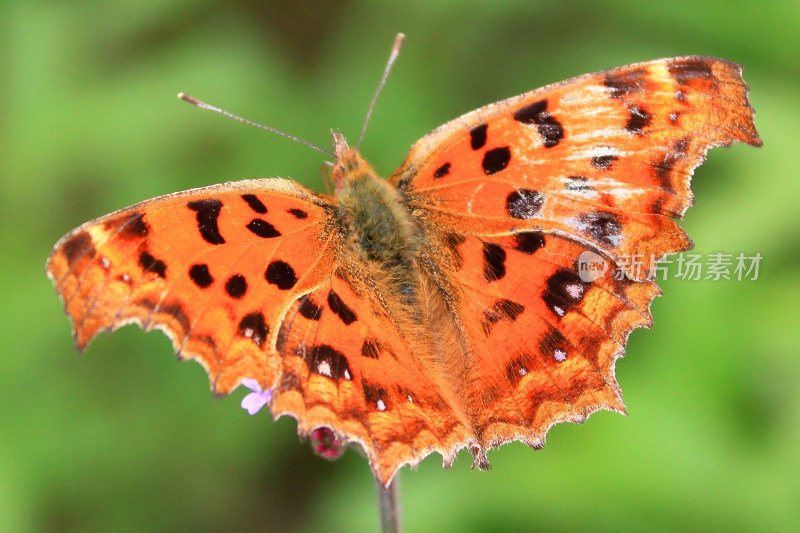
[512,194]
[251,280]
[214,268]
[543,338]
[604,158]
[347,366]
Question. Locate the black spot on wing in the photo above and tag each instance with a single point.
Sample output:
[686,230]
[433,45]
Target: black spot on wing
[329,362]
[207,213]
[253,327]
[133,226]
[309,309]
[603,227]
[341,309]
[554,345]
[254,203]
[236,286]
[686,71]
[200,275]
[638,120]
[563,289]
[503,309]
[146,303]
[625,82]
[529,241]
[375,396]
[518,367]
[604,162]
[495,160]
[298,213]
[263,229]
[442,171]
[550,129]
[494,261]
[281,274]
[370,348]
[477,137]
[77,246]
[524,203]
[148,263]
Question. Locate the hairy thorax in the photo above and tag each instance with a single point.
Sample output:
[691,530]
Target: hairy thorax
[379,229]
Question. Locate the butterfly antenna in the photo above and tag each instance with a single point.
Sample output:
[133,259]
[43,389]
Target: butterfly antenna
[194,101]
[398,42]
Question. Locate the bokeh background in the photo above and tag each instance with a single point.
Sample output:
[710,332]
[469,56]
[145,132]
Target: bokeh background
[123,438]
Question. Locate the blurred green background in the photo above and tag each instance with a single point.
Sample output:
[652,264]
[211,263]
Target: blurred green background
[123,438]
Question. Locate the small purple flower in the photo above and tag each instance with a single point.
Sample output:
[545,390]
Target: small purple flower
[326,443]
[257,399]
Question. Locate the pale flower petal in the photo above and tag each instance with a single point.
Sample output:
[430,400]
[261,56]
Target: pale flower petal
[251,384]
[254,401]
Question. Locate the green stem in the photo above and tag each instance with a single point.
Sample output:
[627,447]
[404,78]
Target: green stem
[389,505]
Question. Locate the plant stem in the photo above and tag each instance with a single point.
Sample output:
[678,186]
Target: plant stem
[389,505]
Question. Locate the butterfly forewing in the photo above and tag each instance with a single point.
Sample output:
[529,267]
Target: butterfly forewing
[605,158]
[214,268]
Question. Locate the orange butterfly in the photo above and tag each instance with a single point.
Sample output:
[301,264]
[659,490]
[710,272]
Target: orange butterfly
[443,308]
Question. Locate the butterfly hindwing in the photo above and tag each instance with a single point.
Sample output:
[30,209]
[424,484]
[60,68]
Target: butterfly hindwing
[346,365]
[543,339]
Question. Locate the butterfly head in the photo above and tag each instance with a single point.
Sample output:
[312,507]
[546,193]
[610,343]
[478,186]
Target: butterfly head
[349,164]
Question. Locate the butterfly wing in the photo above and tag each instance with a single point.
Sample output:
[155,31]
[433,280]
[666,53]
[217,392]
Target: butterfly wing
[510,196]
[250,278]
[215,268]
[604,158]
[347,366]
[542,340]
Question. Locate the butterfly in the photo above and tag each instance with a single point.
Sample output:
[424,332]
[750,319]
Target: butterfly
[443,308]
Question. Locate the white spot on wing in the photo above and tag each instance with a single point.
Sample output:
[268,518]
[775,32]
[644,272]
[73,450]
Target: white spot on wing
[560,355]
[603,151]
[575,290]
[324,368]
[380,405]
